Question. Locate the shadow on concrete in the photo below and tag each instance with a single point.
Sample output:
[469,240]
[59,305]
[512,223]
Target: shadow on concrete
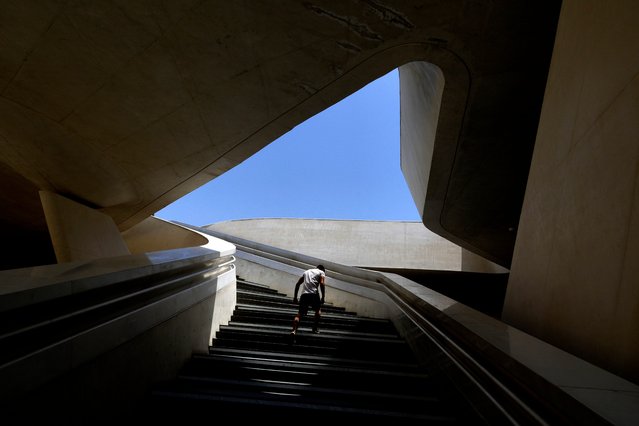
[484,292]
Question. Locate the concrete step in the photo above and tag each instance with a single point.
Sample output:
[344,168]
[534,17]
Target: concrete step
[405,379]
[306,326]
[336,361]
[258,315]
[185,404]
[341,344]
[280,302]
[376,400]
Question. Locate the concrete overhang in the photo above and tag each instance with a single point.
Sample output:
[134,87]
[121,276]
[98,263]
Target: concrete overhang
[127,106]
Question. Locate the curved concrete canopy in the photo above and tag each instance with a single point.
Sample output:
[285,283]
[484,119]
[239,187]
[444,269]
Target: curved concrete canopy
[127,106]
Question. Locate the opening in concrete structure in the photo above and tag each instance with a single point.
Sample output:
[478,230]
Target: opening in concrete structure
[342,163]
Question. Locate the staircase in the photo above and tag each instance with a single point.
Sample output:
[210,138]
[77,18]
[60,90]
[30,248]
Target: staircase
[356,368]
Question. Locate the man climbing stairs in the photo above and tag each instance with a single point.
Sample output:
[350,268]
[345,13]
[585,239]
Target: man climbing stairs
[357,368]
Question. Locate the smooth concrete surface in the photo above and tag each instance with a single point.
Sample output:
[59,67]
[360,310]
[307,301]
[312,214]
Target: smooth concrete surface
[39,367]
[223,303]
[421,88]
[102,375]
[125,107]
[368,244]
[79,232]
[610,396]
[154,234]
[575,276]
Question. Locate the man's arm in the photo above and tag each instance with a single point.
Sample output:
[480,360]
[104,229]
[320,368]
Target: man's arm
[322,287]
[297,287]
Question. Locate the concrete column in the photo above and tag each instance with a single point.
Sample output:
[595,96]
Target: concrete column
[574,278]
[79,232]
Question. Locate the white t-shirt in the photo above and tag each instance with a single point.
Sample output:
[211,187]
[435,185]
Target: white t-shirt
[312,280]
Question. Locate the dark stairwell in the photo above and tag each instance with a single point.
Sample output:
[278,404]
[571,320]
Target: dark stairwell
[357,368]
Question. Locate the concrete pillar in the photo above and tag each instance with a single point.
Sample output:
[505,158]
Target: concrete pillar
[574,278]
[79,232]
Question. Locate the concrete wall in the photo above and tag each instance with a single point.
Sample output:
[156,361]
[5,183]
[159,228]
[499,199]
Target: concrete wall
[574,279]
[102,367]
[351,242]
[421,86]
[106,387]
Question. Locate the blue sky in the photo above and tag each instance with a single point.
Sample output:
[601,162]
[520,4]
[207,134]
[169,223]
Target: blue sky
[343,163]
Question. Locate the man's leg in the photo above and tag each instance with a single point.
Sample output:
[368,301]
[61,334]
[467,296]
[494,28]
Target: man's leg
[301,311]
[296,323]
[318,315]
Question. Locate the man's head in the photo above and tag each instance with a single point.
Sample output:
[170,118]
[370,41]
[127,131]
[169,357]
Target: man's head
[321,267]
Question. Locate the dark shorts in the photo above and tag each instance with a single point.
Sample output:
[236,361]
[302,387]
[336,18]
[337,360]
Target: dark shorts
[309,300]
